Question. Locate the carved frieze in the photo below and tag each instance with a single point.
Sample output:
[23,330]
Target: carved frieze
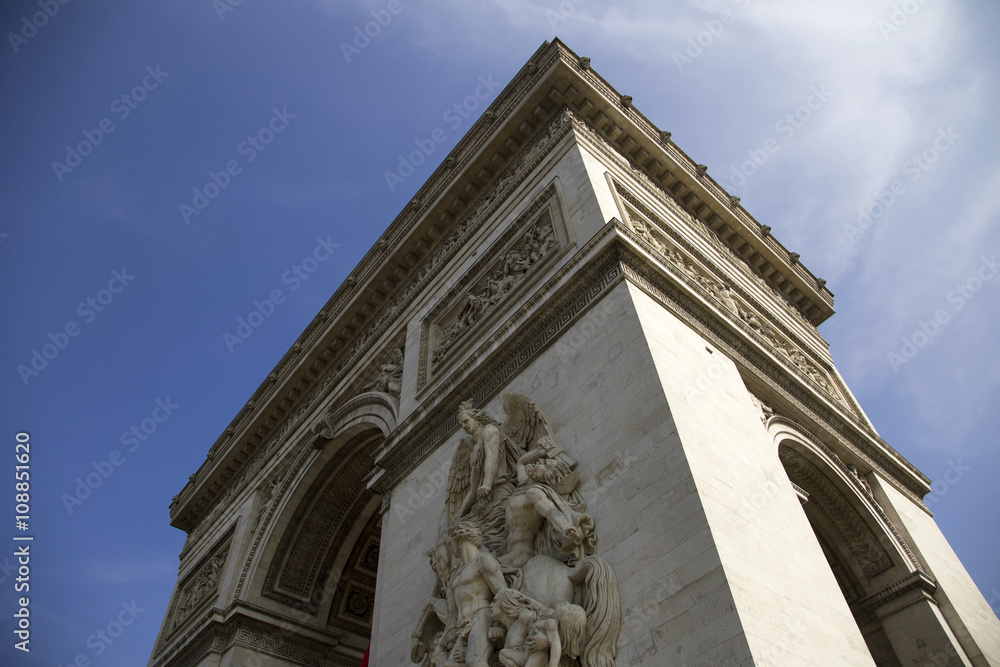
[265,499]
[199,588]
[535,236]
[654,231]
[609,148]
[502,277]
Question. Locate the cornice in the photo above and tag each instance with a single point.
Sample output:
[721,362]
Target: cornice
[689,184]
[321,358]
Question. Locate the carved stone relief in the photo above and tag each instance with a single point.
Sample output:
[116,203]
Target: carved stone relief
[514,258]
[517,578]
[198,588]
[266,498]
[859,538]
[724,295]
[504,276]
[766,411]
[862,483]
[388,377]
[609,149]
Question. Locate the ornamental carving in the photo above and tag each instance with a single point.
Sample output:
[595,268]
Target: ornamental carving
[763,407]
[506,273]
[199,588]
[724,295]
[517,579]
[864,546]
[267,495]
[389,377]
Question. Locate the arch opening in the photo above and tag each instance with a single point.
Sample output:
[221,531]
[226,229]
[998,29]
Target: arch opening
[319,564]
[860,554]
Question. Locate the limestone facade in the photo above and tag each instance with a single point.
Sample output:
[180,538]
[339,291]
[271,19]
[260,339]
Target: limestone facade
[568,251]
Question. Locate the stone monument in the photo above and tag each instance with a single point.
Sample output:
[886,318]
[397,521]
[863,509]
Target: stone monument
[681,476]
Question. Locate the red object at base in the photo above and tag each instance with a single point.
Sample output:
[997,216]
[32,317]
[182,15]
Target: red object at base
[364,661]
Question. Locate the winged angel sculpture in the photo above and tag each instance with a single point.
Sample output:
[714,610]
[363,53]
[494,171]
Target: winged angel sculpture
[518,583]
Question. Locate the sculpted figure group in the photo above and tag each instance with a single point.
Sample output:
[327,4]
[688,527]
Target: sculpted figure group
[518,582]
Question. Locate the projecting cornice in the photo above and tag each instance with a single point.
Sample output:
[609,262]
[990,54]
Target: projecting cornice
[333,353]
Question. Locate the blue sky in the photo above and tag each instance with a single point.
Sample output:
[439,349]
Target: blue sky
[904,109]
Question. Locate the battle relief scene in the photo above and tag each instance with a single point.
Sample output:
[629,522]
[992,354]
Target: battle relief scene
[517,579]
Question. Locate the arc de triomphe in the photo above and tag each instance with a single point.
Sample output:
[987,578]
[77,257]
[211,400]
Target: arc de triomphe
[573,405]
